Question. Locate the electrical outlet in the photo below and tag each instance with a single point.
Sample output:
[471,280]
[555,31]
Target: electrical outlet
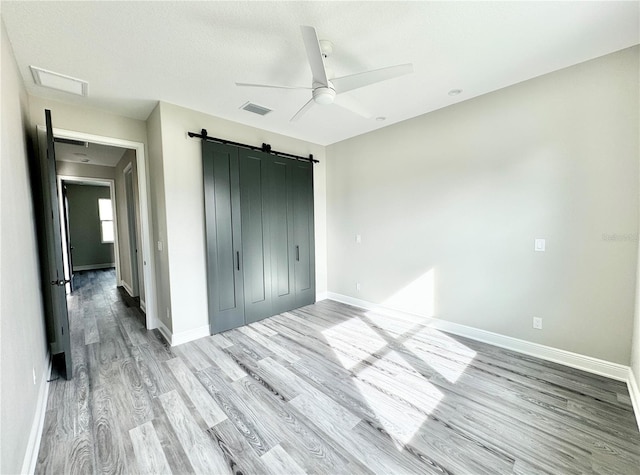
[358,286]
[537,323]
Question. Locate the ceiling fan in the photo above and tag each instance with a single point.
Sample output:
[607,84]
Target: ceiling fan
[325,89]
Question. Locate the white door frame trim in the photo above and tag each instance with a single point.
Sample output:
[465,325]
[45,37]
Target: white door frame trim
[148,257]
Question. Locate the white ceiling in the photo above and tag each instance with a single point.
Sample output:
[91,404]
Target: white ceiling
[191,53]
[96,154]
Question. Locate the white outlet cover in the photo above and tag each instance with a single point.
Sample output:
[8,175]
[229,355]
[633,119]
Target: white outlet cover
[540,245]
[358,238]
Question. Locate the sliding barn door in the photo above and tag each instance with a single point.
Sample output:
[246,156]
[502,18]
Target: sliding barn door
[259,229]
[223,232]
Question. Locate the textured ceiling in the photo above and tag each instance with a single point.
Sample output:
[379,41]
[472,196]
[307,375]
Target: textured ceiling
[191,53]
[96,154]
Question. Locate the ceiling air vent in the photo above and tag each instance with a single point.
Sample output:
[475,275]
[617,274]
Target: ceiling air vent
[45,78]
[255,108]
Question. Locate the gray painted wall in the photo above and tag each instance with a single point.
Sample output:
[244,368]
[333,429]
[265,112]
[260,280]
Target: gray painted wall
[23,346]
[84,226]
[449,204]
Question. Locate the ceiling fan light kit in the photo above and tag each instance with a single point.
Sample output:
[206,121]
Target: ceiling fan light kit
[324,95]
[323,90]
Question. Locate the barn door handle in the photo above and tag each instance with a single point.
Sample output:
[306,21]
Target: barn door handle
[297,253]
[238,259]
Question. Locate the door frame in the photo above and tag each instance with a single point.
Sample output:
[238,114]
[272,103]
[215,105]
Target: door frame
[67,239]
[148,257]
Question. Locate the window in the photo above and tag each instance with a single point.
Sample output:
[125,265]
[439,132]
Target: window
[106,219]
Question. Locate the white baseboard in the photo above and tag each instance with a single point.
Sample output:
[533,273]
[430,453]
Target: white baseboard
[127,287]
[175,339]
[35,435]
[322,296]
[164,331]
[574,360]
[634,393]
[94,267]
[190,335]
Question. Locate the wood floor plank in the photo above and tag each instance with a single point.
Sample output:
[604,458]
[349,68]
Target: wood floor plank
[204,456]
[204,404]
[210,347]
[236,450]
[149,453]
[269,344]
[304,443]
[247,419]
[193,356]
[278,461]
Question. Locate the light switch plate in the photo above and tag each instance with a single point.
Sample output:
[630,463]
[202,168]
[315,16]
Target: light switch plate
[540,245]
[358,238]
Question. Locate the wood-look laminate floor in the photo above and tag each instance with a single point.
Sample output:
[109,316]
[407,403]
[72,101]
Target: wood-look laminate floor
[327,389]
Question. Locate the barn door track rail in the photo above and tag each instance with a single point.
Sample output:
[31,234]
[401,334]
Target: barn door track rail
[265,147]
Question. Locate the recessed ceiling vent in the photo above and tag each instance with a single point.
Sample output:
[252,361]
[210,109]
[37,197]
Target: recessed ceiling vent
[79,143]
[255,108]
[60,82]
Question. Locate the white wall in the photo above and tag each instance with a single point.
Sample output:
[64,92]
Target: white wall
[182,163]
[158,217]
[84,170]
[23,346]
[635,348]
[448,205]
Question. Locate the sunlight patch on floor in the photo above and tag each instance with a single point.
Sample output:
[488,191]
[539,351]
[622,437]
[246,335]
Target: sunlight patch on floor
[354,332]
[444,354]
[397,417]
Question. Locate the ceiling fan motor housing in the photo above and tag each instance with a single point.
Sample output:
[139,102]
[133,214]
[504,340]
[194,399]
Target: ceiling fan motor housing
[323,94]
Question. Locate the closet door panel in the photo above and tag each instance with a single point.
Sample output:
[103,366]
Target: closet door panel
[303,233]
[222,215]
[282,247]
[256,254]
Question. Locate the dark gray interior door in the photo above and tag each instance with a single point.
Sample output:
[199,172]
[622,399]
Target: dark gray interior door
[256,252]
[53,285]
[223,232]
[303,233]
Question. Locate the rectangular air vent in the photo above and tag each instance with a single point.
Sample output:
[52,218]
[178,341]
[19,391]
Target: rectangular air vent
[255,108]
[45,78]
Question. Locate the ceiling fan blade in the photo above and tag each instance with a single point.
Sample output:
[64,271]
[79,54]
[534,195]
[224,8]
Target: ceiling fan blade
[303,110]
[271,86]
[349,103]
[355,81]
[314,54]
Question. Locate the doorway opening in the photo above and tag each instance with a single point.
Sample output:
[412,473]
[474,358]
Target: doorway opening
[83,161]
